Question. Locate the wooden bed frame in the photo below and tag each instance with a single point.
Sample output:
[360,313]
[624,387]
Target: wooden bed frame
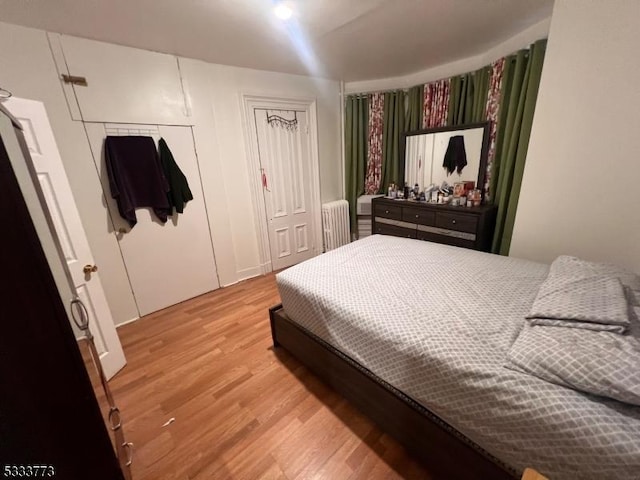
[444,451]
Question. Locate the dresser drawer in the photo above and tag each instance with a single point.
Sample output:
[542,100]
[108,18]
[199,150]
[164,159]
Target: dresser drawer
[418,215]
[386,229]
[457,221]
[446,239]
[388,211]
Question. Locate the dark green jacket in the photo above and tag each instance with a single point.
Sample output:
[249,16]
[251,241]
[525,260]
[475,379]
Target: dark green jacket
[179,192]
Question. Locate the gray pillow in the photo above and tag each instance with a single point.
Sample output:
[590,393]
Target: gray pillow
[587,325]
[580,294]
[600,363]
[627,278]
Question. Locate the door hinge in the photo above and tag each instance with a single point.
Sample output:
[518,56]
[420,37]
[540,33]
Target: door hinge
[306,129]
[74,80]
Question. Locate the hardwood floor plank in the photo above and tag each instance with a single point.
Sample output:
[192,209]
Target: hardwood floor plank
[242,409]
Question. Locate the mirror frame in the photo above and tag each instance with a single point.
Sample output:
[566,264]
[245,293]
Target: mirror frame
[484,152]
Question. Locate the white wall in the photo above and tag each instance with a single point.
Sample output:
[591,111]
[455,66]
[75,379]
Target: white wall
[521,40]
[580,188]
[214,94]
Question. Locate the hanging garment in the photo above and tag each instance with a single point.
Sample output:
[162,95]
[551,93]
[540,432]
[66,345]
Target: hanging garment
[456,156]
[135,176]
[179,192]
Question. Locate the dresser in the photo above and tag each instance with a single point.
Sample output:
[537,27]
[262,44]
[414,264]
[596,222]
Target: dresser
[468,227]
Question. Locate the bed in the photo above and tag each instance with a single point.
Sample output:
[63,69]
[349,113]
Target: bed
[415,334]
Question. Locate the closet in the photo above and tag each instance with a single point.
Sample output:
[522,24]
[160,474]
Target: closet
[122,84]
[166,263]
[121,91]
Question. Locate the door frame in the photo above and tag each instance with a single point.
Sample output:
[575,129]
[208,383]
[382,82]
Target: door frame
[251,102]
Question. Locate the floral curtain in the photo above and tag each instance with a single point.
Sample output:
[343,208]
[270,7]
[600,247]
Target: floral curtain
[436,103]
[374,158]
[491,114]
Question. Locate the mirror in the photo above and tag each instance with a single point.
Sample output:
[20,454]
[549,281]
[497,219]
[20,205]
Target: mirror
[425,151]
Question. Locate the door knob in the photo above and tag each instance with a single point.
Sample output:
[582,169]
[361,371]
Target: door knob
[87,269]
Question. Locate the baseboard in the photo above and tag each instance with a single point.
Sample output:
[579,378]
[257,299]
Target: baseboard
[245,274]
[248,273]
[126,322]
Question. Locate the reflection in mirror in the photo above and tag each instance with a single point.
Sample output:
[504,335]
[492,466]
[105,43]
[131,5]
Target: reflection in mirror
[425,152]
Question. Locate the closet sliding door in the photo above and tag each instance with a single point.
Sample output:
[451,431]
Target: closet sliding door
[166,263]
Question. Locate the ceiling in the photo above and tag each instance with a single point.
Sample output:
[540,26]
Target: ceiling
[342,39]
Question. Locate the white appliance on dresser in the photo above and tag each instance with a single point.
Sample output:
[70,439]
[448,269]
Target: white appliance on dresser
[363,210]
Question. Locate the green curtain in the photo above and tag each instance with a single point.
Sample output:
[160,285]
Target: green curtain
[355,141]
[415,101]
[413,119]
[520,82]
[394,124]
[468,97]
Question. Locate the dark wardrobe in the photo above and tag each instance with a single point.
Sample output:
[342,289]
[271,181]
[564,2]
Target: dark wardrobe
[49,415]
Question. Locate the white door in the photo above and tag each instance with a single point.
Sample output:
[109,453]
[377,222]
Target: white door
[64,214]
[166,263]
[284,153]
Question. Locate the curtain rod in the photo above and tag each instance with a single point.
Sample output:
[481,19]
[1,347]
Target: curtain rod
[406,89]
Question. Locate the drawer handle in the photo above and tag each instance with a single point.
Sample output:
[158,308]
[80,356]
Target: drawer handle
[417,215]
[128,446]
[114,418]
[386,211]
[453,221]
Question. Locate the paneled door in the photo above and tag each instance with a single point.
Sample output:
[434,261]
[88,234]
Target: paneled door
[66,219]
[171,262]
[283,150]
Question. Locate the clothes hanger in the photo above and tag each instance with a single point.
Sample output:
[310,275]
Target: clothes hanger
[5,93]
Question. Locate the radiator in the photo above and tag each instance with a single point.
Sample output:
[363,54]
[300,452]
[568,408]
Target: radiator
[335,224]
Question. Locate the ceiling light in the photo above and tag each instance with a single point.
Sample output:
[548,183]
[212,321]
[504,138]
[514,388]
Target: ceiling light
[282,11]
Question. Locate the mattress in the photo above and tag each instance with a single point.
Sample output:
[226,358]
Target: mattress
[436,322]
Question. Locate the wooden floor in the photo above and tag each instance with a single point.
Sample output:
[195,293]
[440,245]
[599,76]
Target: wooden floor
[242,409]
